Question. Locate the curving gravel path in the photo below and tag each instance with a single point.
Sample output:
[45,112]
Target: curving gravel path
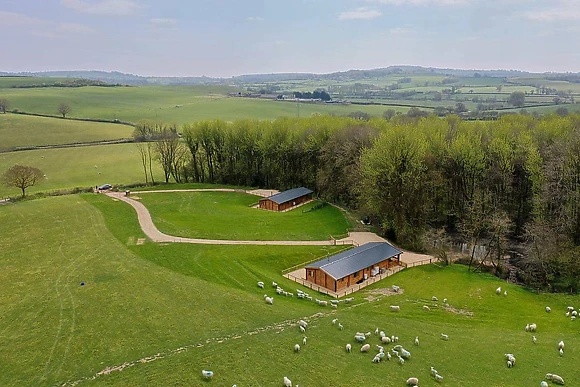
[155,235]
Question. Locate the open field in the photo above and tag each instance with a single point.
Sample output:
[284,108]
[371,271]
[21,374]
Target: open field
[75,167]
[20,131]
[178,104]
[198,307]
[228,215]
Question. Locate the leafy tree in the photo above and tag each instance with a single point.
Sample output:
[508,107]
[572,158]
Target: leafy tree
[562,111]
[22,176]
[517,99]
[360,115]
[64,109]
[389,113]
[4,105]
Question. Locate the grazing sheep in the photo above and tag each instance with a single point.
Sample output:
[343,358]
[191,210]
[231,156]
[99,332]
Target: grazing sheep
[574,313]
[425,307]
[445,300]
[340,326]
[385,339]
[376,359]
[377,331]
[555,378]
[533,327]
[393,338]
[334,306]
[405,354]
[444,337]
[396,289]
[269,300]
[570,308]
[381,349]
[511,359]
[396,339]
[434,298]
[322,303]
[534,340]
[302,329]
[567,314]
[382,333]
[413,382]
[544,384]
[498,290]
[416,340]
[287,382]
[561,351]
[438,378]
[302,323]
[274,284]
[527,328]
[279,291]
[433,371]
[401,360]
[349,299]
[388,356]
[505,292]
[334,302]
[510,364]
[365,348]
[561,345]
[573,318]
[360,338]
[334,320]
[207,374]
[261,284]
[548,309]
[296,347]
[348,347]
[367,334]
[395,308]
[304,340]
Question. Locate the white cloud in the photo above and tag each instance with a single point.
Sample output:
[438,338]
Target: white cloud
[74,28]
[42,28]
[423,2]
[255,18]
[554,14]
[163,22]
[103,7]
[362,13]
[11,19]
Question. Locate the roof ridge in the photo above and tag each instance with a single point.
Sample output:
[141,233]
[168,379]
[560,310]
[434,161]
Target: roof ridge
[352,255]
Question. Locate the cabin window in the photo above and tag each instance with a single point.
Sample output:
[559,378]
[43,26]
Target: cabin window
[356,274]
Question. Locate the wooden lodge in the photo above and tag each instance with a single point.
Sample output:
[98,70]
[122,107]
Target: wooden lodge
[353,266]
[285,200]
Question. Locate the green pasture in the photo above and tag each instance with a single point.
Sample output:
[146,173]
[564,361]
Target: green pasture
[229,215]
[79,167]
[28,81]
[167,311]
[20,131]
[174,104]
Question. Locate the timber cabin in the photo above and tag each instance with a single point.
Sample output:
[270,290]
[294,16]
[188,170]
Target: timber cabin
[353,266]
[285,200]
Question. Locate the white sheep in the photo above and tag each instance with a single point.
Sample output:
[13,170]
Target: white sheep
[445,300]
[544,384]
[426,308]
[401,360]
[385,339]
[555,378]
[340,326]
[274,284]
[334,320]
[498,290]
[573,318]
[433,371]
[574,313]
[348,347]
[367,334]
[207,374]
[322,303]
[360,338]
[434,298]
[377,331]
[393,338]
[388,356]
[296,347]
[510,364]
[396,339]
[561,345]
[416,340]
[334,306]
[395,308]
[533,327]
[444,337]
[405,354]
[438,378]
[304,340]
[527,328]
[365,348]
[287,382]
[261,284]
[396,289]
[570,308]
[349,299]
[376,359]
[334,302]
[413,382]
[269,300]
[567,314]
[505,292]
[382,333]
[534,340]
[302,329]
[561,351]
[548,309]
[303,323]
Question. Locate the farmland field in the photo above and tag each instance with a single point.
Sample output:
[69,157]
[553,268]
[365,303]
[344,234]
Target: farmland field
[20,131]
[79,167]
[169,311]
[228,215]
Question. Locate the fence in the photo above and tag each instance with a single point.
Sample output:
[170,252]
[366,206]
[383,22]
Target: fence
[350,289]
[423,262]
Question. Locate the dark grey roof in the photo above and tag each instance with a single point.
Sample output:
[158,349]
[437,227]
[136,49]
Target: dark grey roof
[291,194]
[349,262]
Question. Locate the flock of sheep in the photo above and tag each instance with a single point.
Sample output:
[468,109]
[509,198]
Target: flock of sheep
[397,352]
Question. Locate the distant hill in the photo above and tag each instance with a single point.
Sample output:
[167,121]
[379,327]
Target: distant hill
[115,77]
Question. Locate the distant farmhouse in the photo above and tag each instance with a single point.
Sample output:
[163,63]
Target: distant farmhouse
[353,266]
[285,200]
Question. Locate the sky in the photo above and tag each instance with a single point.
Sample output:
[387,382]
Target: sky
[224,38]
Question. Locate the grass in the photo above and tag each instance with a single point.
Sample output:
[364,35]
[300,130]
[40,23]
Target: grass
[143,300]
[228,215]
[175,104]
[75,167]
[21,131]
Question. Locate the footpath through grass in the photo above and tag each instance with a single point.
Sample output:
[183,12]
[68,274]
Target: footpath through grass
[228,215]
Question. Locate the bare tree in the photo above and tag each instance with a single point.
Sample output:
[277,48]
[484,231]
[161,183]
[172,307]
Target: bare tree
[64,109]
[144,134]
[22,176]
[171,152]
[4,105]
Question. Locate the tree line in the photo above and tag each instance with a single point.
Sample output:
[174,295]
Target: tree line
[511,185]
